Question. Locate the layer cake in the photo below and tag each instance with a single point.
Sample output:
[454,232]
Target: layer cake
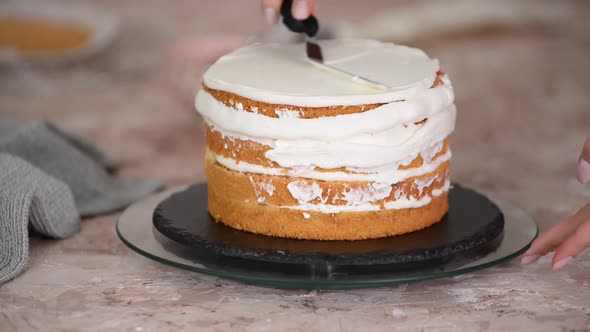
[296,151]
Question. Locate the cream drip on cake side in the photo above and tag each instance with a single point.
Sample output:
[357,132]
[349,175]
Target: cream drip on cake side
[400,203]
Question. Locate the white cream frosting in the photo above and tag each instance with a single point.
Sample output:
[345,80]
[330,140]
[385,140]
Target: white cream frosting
[369,139]
[383,118]
[373,138]
[365,151]
[281,74]
[389,174]
[370,144]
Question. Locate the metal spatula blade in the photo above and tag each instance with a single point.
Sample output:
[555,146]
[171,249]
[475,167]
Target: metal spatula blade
[313,50]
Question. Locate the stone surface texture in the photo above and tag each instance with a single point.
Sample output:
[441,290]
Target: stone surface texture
[524,112]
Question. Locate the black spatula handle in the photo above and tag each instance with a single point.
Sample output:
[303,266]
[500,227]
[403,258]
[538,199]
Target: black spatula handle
[309,26]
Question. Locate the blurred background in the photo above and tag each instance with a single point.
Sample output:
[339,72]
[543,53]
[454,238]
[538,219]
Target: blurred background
[123,74]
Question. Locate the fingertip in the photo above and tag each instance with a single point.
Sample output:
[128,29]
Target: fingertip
[583,172]
[301,9]
[536,248]
[561,263]
[566,252]
[529,259]
[529,252]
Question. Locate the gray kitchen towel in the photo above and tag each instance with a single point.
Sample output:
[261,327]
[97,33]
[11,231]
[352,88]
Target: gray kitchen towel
[30,198]
[46,177]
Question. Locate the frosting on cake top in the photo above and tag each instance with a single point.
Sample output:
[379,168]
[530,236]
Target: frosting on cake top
[282,74]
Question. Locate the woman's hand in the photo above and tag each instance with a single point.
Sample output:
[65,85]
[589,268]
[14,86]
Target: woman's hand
[572,235]
[301,10]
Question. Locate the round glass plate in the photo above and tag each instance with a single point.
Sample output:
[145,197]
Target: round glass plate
[136,230]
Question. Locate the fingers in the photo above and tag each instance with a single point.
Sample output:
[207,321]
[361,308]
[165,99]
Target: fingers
[271,10]
[302,9]
[572,246]
[551,239]
[571,236]
[584,164]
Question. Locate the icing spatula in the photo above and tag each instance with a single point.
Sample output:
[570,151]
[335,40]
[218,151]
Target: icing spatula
[310,27]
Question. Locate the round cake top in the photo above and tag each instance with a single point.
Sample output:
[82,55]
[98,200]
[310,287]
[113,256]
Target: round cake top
[282,74]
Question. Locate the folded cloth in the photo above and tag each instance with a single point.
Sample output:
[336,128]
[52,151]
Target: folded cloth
[48,178]
[30,197]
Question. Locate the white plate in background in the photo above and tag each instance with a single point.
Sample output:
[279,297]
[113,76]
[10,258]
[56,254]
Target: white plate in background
[102,26]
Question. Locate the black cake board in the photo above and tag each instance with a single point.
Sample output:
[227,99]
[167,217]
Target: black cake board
[472,221]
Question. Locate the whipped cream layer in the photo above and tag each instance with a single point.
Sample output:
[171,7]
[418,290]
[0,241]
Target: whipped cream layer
[384,135]
[388,174]
[381,119]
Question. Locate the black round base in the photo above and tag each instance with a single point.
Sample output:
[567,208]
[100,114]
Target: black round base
[472,221]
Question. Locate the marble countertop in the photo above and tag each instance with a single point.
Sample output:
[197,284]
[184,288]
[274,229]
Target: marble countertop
[524,113]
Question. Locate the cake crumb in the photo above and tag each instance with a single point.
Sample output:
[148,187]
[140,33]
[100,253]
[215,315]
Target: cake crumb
[306,215]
